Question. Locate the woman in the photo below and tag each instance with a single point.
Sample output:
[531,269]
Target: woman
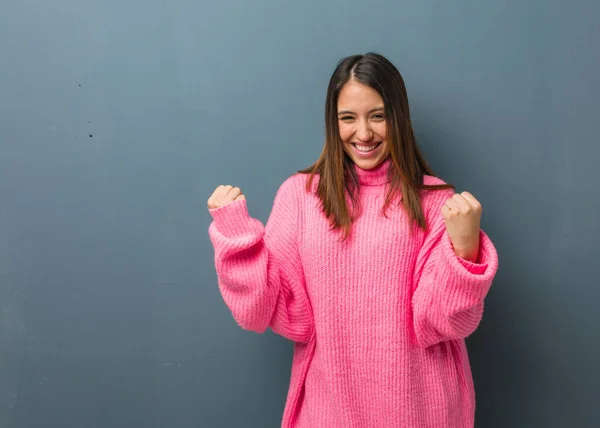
[375,269]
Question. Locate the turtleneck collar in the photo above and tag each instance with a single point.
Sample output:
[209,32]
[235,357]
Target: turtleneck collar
[377,176]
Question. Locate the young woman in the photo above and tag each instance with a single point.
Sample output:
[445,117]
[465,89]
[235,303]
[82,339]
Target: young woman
[375,269]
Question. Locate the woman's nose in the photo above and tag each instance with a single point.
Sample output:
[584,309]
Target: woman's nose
[364,132]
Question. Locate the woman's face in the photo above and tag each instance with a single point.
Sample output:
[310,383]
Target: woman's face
[362,124]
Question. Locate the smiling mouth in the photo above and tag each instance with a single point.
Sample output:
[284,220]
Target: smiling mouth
[366,149]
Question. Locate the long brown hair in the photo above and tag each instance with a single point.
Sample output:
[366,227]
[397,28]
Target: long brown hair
[338,177]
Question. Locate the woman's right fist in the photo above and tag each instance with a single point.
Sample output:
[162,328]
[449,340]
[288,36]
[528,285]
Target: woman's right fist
[224,195]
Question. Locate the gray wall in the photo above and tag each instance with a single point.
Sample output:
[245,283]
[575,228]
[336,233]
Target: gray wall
[117,119]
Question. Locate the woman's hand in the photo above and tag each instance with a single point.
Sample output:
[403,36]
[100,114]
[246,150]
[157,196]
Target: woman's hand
[462,213]
[224,195]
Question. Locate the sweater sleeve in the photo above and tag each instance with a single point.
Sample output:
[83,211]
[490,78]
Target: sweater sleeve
[258,268]
[448,299]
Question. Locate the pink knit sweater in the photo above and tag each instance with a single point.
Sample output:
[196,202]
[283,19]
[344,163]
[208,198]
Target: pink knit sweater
[378,322]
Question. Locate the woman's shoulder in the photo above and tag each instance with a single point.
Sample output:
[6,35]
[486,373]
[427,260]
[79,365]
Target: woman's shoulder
[295,181]
[298,182]
[430,180]
[434,199]
[295,186]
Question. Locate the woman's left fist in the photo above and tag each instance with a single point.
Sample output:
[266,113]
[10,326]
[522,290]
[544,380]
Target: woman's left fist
[462,213]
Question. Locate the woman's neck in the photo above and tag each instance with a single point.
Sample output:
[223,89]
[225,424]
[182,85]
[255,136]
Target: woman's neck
[377,176]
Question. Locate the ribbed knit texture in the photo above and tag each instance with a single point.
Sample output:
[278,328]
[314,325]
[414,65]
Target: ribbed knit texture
[378,321]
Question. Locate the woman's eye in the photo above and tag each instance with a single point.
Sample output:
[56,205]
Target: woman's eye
[346,118]
[379,117]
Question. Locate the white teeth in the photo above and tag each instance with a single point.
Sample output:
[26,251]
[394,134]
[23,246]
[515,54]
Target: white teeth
[365,148]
